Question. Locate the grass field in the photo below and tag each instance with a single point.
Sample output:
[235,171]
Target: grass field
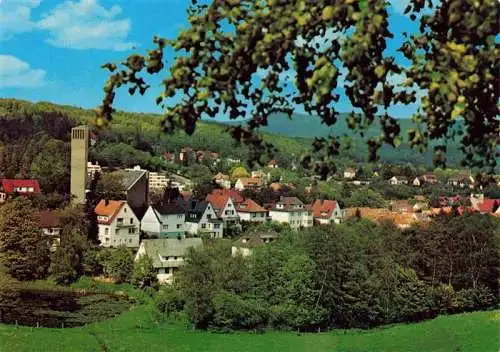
[136,330]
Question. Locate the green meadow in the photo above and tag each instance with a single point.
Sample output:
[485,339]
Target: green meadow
[137,330]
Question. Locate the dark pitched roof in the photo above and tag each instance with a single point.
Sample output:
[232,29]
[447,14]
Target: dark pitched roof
[48,219]
[193,208]
[168,208]
[289,204]
[130,177]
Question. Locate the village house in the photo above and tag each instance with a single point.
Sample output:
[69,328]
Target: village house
[222,180]
[135,185]
[117,223]
[246,243]
[292,211]
[327,212]
[23,187]
[164,220]
[349,173]
[157,181]
[201,218]
[248,210]
[93,169]
[261,174]
[462,180]
[489,206]
[398,180]
[167,255]
[51,228]
[273,164]
[244,183]
[223,205]
[428,178]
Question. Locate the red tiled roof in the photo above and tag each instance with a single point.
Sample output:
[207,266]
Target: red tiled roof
[48,219]
[489,205]
[249,206]
[323,208]
[110,209]
[9,185]
[218,201]
[235,195]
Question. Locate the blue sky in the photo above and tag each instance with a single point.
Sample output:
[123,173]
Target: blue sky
[51,50]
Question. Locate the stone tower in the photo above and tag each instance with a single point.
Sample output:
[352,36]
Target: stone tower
[79,158]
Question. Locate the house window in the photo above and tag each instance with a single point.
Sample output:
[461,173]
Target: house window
[117,232]
[165,227]
[106,239]
[179,226]
[203,226]
[216,226]
[179,216]
[106,231]
[125,210]
[226,212]
[131,221]
[209,216]
[131,230]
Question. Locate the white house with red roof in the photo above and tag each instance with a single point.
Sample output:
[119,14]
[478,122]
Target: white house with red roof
[118,224]
[11,187]
[244,183]
[328,212]
[249,210]
[224,205]
[291,210]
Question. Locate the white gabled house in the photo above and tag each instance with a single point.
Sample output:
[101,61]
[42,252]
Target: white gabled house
[398,180]
[248,210]
[292,211]
[201,218]
[328,212]
[117,223]
[224,206]
[164,220]
[167,255]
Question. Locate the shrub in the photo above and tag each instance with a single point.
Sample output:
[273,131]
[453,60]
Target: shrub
[169,299]
[144,273]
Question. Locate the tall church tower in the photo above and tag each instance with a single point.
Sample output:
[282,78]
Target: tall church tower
[79,158]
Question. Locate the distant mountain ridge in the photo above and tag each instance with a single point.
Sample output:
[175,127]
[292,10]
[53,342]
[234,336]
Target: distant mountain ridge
[310,126]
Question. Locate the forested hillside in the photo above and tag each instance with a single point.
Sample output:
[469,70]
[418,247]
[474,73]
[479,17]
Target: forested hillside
[310,126]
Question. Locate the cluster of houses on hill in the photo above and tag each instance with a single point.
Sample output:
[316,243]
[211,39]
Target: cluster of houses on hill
[165,229]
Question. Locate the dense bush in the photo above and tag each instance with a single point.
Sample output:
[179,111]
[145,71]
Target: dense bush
[356,274]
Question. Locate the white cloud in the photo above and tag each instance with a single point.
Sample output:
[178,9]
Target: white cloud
[15,17]
[86,25]
[17,73]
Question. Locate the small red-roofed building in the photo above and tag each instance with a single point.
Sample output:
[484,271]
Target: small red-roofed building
[223,205]
[118,224]
[489,206]
[24,187]
[292,211]
[327,212]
